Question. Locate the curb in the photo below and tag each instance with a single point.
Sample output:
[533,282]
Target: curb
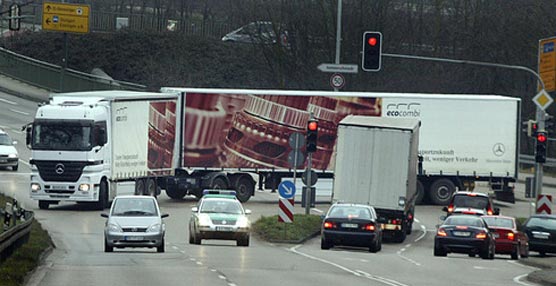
[299,241]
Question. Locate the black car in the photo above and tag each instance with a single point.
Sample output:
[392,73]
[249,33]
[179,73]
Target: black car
[351,225]
[474,203]
[464,234]
[541,230]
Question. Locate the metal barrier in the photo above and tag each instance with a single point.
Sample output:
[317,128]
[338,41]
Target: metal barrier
[54,78]
[530,160]
[17,235]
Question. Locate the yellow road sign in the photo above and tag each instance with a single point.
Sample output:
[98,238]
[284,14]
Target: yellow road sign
[542,100]
[547,63]
[62,17]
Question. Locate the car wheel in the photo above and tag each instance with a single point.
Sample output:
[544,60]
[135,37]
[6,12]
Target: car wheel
[325,244]
[107,248]
[191,240]
[43,205]
[439,252]
[244,241]
[515,253]
[542,253]
[374,247]
[160,248]
[14,168]
[525,253]
[196,240]
[102,196]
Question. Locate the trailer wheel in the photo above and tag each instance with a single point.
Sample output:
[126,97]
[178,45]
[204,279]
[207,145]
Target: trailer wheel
[420,193]
[219,184]
[244,189]
[441,191]
[175,193]
[139,187]
[151,187]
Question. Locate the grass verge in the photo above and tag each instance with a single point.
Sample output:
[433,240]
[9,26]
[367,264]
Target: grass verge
[302,227]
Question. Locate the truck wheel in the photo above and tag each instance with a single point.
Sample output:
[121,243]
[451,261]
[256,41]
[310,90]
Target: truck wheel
[139,187]
[244,189]
[175,193]
[151,187]
[43,205]
[419,193]
[219,184]
[441,191]
[102,196]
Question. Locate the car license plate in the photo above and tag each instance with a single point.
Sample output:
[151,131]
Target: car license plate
[134,238]
[496,235]
[349,225]
[462,233]
[224,228]
[540,236]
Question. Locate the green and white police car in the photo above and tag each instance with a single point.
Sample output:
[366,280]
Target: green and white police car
[219,215]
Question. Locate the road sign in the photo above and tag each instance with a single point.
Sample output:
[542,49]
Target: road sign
[542,99]
[314,178]
[64,17]
[286,189]
[335,68]
[296,158]
[547,63]
[285,214]
[337,80]
[544,204]
[296,140]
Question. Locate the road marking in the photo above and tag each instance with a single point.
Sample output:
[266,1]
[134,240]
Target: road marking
[517,280]
[222,277]
[317,210]
[358,273]
[8,101]
[424,230]
[523,265]
[19,111]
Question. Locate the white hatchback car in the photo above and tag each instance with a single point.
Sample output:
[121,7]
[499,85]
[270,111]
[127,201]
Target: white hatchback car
[134,221]
[8,154]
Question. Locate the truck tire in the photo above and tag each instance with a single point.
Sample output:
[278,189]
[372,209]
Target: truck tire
[419,193]
[219,184]
[441,191]
[150,190]
[244,189]
[43,205]
[175,193]
[139,187]
[102,196]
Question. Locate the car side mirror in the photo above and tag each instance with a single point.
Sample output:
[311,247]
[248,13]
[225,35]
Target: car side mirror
[445,209]
[164,215]
[14,142]
[104,215]
[247,212]
[194,209]
[496,211]
[322,216]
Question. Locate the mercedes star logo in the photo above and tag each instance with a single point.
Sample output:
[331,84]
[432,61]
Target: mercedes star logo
[499,149]
[224,222]
[60,168]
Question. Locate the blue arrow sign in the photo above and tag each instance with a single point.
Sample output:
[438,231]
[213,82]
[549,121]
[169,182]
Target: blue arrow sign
[286,189]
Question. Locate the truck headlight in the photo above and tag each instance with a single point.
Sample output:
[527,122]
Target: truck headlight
[154,228]
[35,187]
[112,227]
[84,187]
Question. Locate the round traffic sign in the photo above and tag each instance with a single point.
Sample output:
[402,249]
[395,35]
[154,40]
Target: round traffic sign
[286,189]
[337,80]
[314,178]
[296,140]
[296,158]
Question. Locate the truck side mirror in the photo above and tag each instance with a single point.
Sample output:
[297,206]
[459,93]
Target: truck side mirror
[28,134]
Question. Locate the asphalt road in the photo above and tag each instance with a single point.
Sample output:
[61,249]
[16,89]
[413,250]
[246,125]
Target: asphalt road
[78,258]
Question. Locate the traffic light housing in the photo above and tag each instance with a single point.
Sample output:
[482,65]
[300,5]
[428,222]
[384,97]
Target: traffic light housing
[372,50]
[312,135]
[549,123]
[540,151]
[532,127]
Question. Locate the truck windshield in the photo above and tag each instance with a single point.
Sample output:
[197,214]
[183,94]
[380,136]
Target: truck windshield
[62,135]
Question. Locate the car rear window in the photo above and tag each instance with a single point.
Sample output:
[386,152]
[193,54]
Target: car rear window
[476,202]
[350,212]
[542,222]
[499,222]
[464,220]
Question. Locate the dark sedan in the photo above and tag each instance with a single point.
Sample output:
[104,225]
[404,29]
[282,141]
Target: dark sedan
[464,234]
[541,230]
[509,239]
[351,225]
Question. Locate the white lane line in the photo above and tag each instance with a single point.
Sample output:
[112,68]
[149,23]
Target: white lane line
[356,273]
[424,233]
[8,101]
[517,280]
[222,277]
[19,111]
[523,265]
[317,211]
[175,247]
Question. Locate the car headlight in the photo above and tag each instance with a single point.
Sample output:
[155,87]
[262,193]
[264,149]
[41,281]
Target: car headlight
[154,228]
[114,228]
[204,220]
[242,222]
[12,155]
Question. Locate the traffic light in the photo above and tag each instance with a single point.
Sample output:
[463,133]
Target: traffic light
[532,127]
[540,152]
[549,123]
[312,134]
[372,49]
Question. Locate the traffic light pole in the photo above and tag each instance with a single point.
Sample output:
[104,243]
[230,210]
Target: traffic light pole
[540,115]
[338,34]
[308,192]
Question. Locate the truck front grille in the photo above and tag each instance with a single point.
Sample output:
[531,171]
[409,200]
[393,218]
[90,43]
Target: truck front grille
[60,171]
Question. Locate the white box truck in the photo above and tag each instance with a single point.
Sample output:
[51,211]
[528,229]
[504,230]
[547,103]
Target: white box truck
[376,164]
[184,140]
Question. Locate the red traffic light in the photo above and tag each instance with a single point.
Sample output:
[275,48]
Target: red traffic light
[541,137]
[313,126]
[372,41]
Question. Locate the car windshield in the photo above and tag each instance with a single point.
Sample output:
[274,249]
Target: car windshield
[5,140]
[499,222]
[465,201]
[464,220]
[546,223]
[134,207]
[221,206]
[349,212]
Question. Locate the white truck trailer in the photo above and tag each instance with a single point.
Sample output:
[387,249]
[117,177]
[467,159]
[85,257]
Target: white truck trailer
[186,139]
[376,164]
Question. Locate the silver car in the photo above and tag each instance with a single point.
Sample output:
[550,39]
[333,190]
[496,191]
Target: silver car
[8,154]
[134,221]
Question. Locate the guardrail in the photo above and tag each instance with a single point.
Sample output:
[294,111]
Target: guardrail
[55,78]
[15,236]
[530,160]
